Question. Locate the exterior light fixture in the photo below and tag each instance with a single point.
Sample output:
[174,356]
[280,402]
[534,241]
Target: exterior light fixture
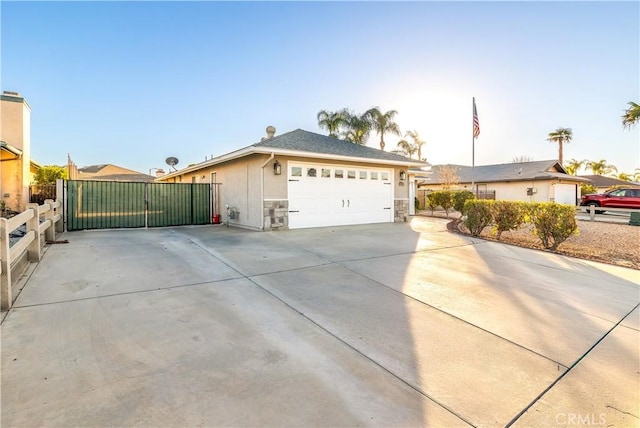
[277,168]
[403,175]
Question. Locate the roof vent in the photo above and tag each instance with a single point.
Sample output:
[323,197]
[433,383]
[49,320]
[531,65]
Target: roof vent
[271,131]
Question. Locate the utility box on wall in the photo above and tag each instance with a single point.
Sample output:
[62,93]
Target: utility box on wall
[531,191]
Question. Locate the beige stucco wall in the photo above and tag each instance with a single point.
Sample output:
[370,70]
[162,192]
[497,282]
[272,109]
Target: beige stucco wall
[249,183]
[15,130]
[515,191]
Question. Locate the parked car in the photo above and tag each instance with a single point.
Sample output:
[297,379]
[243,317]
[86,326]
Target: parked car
[627,197]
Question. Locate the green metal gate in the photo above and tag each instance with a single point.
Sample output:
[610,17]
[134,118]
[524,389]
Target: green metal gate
[117,204]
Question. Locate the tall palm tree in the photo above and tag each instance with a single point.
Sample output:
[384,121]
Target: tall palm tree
[574,165]
[331,121]
[356,127]
[631,115]
[560,136]
[601,167]
[383,123]
[417,142]
[407,148]
[623,176]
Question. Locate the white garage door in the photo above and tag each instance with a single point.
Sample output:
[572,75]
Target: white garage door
[330,195]
[565,194]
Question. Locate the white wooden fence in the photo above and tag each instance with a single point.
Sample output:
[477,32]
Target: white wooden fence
[591,210]
[40,220]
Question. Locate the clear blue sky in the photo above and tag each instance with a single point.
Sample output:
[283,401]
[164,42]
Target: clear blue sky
[132,83]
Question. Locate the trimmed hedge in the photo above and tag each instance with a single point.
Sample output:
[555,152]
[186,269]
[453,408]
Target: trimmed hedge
[477,215]
[553,223]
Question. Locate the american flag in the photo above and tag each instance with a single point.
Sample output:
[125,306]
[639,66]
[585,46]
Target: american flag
[476,122]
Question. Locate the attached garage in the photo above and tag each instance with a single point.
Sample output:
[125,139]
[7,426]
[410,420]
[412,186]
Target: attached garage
[333,195]
[566,193]
[301,179]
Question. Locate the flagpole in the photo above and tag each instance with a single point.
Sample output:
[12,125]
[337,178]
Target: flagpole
[473,146]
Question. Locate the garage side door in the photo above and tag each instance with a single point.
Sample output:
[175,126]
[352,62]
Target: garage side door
[565,194]
[326,195]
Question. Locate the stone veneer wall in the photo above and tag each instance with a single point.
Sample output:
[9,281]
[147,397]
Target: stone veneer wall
[276,215]
[401,211]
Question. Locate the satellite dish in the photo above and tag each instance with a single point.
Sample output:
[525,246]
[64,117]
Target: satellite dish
[172,162]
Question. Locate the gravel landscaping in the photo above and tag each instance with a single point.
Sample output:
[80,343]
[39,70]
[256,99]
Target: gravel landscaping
[613,243]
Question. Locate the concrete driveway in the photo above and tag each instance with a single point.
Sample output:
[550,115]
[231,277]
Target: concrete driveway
[375,325]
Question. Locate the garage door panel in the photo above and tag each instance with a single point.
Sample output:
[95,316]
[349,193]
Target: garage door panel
[329,199]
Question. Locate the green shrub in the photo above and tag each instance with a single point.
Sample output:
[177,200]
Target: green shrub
[586,188]
[478,215]
[444,199]
[416,203]
[553,223]
[432,202]
[459,198]
[507,215]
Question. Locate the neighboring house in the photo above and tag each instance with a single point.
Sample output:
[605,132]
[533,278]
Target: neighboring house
[106,172]
[540,181]
[302,179]
[16,166]
[603,183]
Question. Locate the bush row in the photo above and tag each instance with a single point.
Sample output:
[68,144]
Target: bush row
[447,199]
[552,223]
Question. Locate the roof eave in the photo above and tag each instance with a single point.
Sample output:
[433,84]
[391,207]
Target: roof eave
[247,151]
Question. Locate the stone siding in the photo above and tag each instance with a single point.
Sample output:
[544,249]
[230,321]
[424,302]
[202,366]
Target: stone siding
[401,211]
[276,215]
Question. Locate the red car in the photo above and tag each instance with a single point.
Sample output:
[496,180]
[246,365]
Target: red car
[617,198]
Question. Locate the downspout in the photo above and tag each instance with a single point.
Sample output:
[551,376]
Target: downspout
[273,155]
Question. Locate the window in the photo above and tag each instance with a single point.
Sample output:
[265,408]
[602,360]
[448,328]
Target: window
[296,171]
[363,175]
[351,174]
[384,176]
[374,175]
[326,173]
[338,173]
[311,172]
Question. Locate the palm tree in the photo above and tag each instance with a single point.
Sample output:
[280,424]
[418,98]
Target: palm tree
[560,136]
[357,127]
[331,121]
[417,142]
[574,165]
[383,123]
[631,115]
[520,159]
[623,176]
[601,167]
[636,174]
[407,148]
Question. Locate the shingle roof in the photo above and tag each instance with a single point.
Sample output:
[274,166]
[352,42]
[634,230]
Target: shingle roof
[602,181]
[310,142]
[92,168]
[537,170]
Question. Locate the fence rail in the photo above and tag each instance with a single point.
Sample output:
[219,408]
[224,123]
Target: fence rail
[593,210]
[38,220]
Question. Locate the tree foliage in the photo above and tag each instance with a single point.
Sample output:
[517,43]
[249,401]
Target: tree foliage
[560,136]
[357,127]
[383,123]
[631,115]
[331,121]
[460,198]
[574,165]
[601,167]
[50,173]
[448,176]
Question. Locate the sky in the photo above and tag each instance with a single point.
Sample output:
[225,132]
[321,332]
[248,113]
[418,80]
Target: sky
[132,83]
